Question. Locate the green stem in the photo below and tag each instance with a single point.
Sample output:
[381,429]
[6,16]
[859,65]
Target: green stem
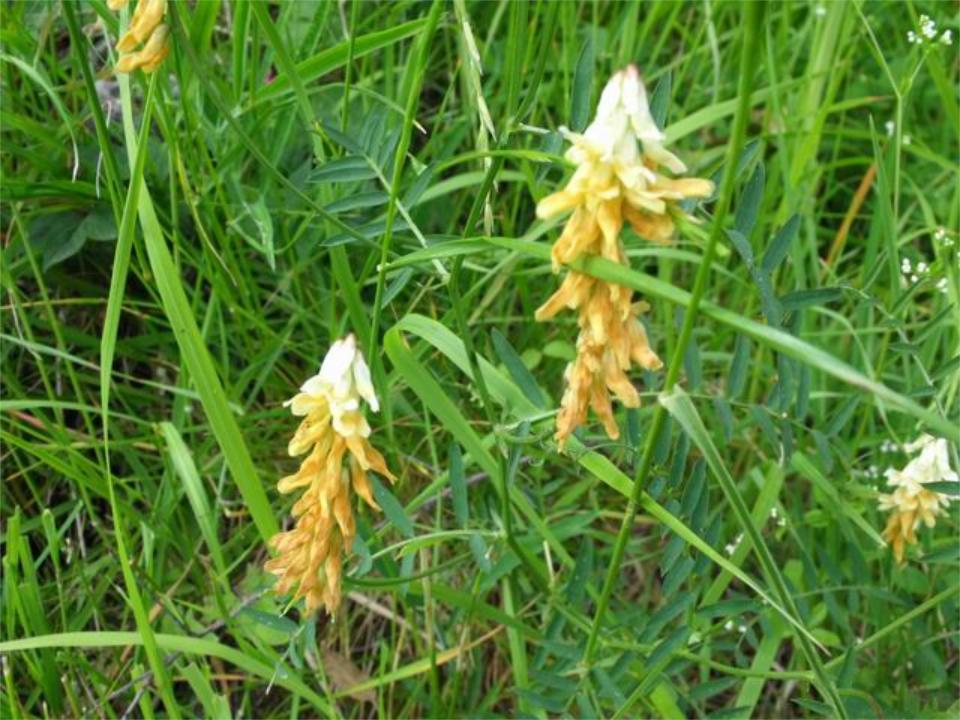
[348,66]
[898,623]
[752,12]
[416,73]
[463,325]
[138,160]
[540,574]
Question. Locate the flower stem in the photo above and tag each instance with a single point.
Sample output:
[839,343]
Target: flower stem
[538,571]
[752,12]
[416,70]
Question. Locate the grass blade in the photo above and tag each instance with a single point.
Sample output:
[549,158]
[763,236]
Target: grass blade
[195,355]
[680,407]
[275,674]
[773,338]
[108,344]
[196,495]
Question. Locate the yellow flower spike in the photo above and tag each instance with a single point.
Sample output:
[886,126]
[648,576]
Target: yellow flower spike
[146,18]
[147,27]
[149,58]
[911,503]
[615,182]
[309,560]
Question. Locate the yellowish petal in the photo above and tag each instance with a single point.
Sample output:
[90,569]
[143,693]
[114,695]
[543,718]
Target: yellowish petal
[146,17]
[650,226]
[557,203]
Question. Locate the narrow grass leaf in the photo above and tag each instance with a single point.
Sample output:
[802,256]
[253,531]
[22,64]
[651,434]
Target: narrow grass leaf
[518,371]
[772,337]
[678,404]
[175,643]
[199,363]
[196,494]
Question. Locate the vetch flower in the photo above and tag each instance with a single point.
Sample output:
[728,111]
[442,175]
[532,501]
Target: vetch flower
[616,181]
[147,29]
[334,431]
[911,503]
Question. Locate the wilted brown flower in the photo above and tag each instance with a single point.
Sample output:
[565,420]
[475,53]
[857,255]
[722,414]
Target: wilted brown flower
[614,182]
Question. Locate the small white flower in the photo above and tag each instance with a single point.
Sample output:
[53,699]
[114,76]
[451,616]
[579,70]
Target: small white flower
[921,267]
[939,234]
[742,629]
[890,125]
[914,278]
[926,32]
[820,11]
[942,285]
[777,517]
[731,547]
[728,625]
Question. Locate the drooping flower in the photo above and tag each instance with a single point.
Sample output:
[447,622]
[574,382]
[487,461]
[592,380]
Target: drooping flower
[146,29]
[615,181]
[334,431]
[911,503]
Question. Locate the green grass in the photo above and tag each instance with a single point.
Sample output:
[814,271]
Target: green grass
[179,251]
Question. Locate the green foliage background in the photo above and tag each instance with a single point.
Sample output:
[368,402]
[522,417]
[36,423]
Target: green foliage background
[179,251]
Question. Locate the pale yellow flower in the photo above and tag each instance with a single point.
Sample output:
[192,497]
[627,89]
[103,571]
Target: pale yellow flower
[147,29]
[334,431]
[149,58]
[911,503]
[616,181]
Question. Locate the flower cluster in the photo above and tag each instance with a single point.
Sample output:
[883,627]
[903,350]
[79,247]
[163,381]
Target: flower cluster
[927,33]
[940,237]
[615,181]
[147,32]
[911,503]
[334,430]
[919,272]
